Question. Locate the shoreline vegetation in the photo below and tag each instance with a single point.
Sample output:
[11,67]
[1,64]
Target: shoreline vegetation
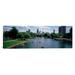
[63,39]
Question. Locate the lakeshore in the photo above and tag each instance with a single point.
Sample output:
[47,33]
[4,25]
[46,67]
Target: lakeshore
[63,39]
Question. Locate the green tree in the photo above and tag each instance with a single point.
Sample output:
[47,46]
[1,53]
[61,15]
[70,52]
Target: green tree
[20,35]
[6,34]
[32,34]
[27,35]
[46,35]
[13,33]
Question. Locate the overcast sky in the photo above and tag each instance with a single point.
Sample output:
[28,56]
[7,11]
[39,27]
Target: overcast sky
[34,28]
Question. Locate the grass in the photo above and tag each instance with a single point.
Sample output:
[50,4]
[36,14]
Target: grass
[11,43]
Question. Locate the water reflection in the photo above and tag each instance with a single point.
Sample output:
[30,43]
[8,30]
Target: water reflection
[45,43]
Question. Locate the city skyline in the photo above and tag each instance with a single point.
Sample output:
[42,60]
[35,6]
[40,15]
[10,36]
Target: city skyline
[48,29]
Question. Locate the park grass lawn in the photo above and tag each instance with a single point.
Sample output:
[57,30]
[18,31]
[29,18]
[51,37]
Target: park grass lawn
[11,43]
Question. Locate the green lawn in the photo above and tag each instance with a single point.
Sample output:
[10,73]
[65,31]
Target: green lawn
[11,43]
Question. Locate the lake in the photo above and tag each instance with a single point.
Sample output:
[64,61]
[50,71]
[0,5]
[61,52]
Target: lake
[41,42]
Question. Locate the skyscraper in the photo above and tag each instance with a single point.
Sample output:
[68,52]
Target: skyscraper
[53,31]
[62,30]
[37,30]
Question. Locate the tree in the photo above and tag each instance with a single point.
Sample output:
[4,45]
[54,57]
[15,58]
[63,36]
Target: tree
[32,34]
[46,35]
[23,35]
[26,35]
[6,34]
[53,35]
[20,36]
[13,33]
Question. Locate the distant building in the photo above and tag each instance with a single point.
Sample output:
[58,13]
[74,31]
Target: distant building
[62,30]
[37,30]
[53,31]
[28,31]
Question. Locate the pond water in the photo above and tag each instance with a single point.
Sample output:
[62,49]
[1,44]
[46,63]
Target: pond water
[41,42]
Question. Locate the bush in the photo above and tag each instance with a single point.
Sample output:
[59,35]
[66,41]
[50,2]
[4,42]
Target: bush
[23,35]
[27,35]
[47,35]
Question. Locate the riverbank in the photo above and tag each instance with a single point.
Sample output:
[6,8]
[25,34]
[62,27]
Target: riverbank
[12,43]
[63,39]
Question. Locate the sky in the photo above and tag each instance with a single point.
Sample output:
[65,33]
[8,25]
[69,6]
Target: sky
[34,28]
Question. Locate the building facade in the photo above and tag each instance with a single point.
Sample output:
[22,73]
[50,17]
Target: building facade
[62,30]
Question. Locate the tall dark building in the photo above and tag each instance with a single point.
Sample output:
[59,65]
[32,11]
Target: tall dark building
[37,30]
[28,30]
[62,30]
[53,31]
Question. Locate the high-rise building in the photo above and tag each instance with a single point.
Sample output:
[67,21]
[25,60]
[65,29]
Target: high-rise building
[53,31]
[62,30]
[28,30]
[37,30]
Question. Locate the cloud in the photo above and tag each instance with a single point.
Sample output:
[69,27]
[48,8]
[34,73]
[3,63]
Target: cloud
[34,28]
